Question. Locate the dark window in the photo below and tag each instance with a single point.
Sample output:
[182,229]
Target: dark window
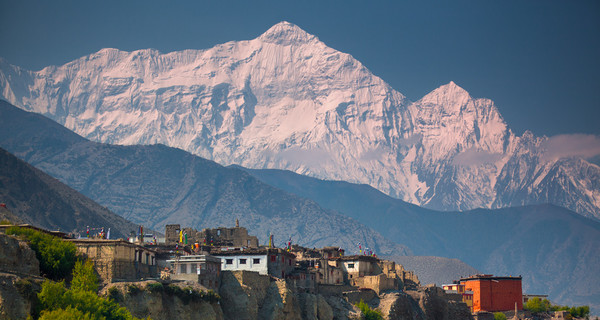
[290,262]
[273,258]
[256,260]
[350,265]
[228,261]
[242,261]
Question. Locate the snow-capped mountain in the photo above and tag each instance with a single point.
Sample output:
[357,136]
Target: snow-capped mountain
[285,100]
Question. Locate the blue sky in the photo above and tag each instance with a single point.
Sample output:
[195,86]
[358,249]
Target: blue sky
[538,60]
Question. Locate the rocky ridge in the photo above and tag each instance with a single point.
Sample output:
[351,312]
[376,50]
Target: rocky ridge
[285,100]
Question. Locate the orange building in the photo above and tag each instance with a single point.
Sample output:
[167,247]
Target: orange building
[494,293]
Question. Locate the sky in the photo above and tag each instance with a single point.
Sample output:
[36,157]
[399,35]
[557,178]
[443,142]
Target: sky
[539,61]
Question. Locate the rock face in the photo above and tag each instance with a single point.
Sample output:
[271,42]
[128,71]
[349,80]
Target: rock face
[285,100]
[249,295]
[432,301]
[162,306]
[17,290]
[16,257]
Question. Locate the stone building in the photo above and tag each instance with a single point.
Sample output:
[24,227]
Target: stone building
[118,260]
[204,269]
[359,265]
[458,289]
[219,237]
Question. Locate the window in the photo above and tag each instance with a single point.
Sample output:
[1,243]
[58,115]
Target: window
[283,259]
[350,265]
[256,261]
[183,268]
[228,261]
[289,262]
[242,261]
[273,258]
[193,268]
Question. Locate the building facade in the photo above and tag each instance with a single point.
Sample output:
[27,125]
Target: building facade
[276,262]
[219,237]
[494,293]
[118,260]
[204,269]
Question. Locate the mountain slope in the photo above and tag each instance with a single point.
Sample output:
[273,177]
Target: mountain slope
[157,185]
[38,199]
[285,100]
[553,248]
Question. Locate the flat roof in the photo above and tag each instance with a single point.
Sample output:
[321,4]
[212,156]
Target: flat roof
[489,277]
[252,251]
[108,242]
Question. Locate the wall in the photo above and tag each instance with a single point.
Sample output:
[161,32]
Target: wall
[261,267]
[378,283]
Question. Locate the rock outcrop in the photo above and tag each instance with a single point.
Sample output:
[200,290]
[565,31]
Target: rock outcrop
[18,268]
[16,257]
[249,295]
[432,300]
[143,302]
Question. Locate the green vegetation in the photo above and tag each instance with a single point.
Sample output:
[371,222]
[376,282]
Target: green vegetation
[84,277]
[133,289]
[188,294]
[499,316]
[56,257]
[368,313]
[537,305]
[81,300]
[155,287]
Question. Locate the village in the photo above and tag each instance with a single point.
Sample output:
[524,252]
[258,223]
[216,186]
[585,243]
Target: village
[202,257]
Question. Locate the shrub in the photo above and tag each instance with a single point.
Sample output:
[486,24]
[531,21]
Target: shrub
[133,289]
[66,314]
[115,294]
[84,277]
[369,314]
[499,316]
[57,301]
[155,287]
[56,257]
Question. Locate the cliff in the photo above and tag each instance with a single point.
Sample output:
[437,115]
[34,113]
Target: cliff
[19,278]
[145,301]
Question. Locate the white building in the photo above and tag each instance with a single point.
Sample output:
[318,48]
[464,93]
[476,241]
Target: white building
[275,262]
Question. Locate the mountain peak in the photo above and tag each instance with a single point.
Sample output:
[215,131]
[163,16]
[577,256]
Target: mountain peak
[286,33]
[448,92]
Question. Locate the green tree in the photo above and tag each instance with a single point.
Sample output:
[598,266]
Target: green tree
[499,316]
[56,257]
[84,277]
[368,313]
[537,305]
[56,300]
[66,314]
